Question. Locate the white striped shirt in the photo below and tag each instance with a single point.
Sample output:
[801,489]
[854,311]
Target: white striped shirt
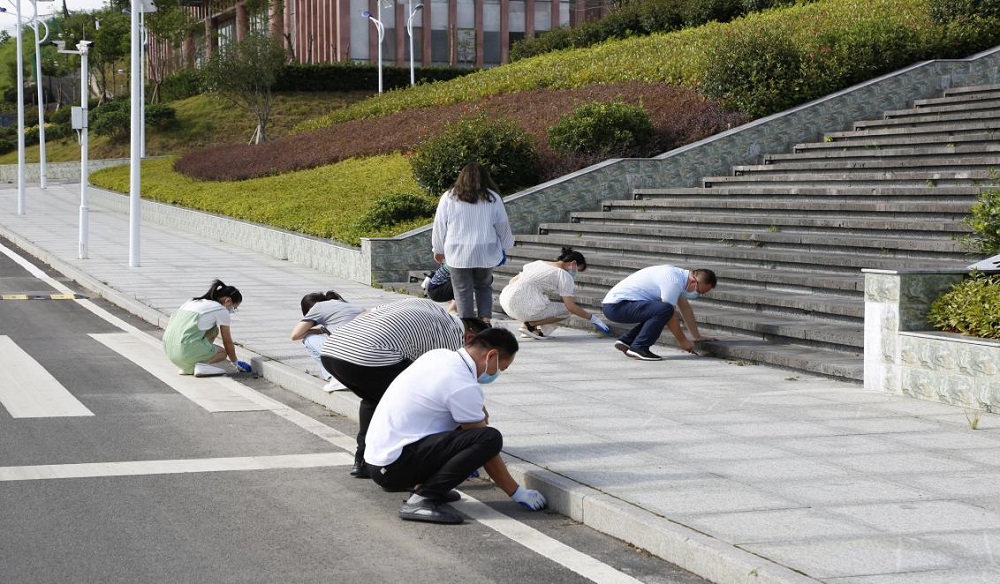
[471,235]
[394,332]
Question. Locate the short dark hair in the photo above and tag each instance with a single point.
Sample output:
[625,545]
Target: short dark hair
[500,339]
[311,299]
[706,276]
[474,325]
[568,254]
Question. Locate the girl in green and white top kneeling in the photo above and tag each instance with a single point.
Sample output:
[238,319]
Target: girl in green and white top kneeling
[191,332]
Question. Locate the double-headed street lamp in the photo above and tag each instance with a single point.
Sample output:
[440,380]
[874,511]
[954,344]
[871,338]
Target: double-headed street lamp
[145,6]
[80,123]
[377,21]
[409,32]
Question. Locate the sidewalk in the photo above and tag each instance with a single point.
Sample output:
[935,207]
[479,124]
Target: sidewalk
[736,472]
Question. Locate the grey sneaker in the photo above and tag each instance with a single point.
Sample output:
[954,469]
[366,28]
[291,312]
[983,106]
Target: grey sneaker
[643,355]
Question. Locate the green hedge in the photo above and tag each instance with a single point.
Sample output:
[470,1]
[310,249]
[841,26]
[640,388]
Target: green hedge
[359,76]
[501,146]
[603,129]
[971,307]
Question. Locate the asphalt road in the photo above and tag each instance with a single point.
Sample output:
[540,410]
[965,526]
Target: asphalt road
[117,474]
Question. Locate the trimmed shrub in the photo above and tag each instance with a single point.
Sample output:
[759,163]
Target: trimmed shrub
[7,146]
[608,128]
[984,219]
[115,124]
[944,11]
[160,116]
[971,307]
[697,12]
[755,70]
[358,76]
[500,145]
[183,84]
[394,209]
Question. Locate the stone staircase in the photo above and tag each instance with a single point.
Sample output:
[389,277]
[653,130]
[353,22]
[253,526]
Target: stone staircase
[788,238]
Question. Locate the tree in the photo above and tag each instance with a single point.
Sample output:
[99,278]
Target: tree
[244,72]
[168,27]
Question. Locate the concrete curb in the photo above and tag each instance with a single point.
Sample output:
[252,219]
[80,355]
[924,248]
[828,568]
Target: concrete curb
[692,550]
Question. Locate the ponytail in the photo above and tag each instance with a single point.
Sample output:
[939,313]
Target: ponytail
[220,290]
[568,254]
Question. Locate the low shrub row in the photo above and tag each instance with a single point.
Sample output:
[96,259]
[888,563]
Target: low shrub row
[359,76]
[644,17]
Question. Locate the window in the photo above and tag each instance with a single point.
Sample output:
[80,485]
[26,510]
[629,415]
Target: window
[491,47]
[439,47]
[465,46]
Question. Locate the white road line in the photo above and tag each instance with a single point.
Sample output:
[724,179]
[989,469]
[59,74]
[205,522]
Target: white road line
[158,467]
[215,394]
[543,545]
[29,391]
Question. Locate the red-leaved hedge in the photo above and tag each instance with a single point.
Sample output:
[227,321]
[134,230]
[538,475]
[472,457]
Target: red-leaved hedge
[679,115]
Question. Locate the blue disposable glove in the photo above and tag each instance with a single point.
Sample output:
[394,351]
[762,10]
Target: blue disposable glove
[503,260]
[529,498]
[599,324]
[243,366]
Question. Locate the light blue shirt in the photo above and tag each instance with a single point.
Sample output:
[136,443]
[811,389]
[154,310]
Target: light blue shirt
[471,235]
[664,283]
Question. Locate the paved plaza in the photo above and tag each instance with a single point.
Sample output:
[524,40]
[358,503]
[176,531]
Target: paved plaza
[735,471]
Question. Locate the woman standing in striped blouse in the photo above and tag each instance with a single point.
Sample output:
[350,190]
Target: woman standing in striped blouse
[472,233]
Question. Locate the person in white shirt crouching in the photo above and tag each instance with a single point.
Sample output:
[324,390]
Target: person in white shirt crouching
[430,432]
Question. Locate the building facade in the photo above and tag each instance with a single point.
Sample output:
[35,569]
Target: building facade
[444,32]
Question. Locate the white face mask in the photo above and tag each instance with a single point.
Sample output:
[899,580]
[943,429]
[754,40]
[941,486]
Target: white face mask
[689,295]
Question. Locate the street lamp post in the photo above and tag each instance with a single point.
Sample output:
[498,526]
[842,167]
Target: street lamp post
[381,35]
[80,123]
[135,160]
[42,172]
[409,32]
[20,112]
[145,6]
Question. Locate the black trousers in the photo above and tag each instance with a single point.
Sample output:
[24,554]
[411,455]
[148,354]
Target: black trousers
[439,462]
[368,383]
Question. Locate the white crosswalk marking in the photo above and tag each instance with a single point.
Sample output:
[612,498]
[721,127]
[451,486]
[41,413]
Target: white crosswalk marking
[29,391]
[215,394]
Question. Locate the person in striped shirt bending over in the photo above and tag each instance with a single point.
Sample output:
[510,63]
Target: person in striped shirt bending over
[367,353]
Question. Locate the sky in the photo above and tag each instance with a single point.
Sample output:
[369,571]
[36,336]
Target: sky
[44,8]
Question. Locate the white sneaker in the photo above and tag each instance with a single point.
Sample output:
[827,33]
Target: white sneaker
[533,332]
[206,370]
[333,385]
[548,329]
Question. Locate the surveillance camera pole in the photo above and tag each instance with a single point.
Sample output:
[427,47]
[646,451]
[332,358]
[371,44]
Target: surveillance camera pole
[82,49]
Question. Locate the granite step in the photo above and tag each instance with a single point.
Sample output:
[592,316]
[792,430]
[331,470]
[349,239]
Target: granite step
[866,207]
[899,178]
[930,151]
[886,244]
[942,128]
[985,102]
[929,118]
[786,193]
[877,143]
[873,164]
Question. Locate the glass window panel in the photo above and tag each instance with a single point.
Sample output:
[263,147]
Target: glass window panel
[543,16]
[439,47]
[491,47]
[439,15]
[466,46]
[466,14]
[517,16]
[491,17]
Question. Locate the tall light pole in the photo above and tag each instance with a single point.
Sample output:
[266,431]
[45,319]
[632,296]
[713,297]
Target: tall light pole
[42,172]
[146,7]
[381,35]
[80,123]
[20,112]
[409,32]
[135,160]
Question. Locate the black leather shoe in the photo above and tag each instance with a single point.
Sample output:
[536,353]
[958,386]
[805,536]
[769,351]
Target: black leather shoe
[360,471]
[429,511]
[451,496]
